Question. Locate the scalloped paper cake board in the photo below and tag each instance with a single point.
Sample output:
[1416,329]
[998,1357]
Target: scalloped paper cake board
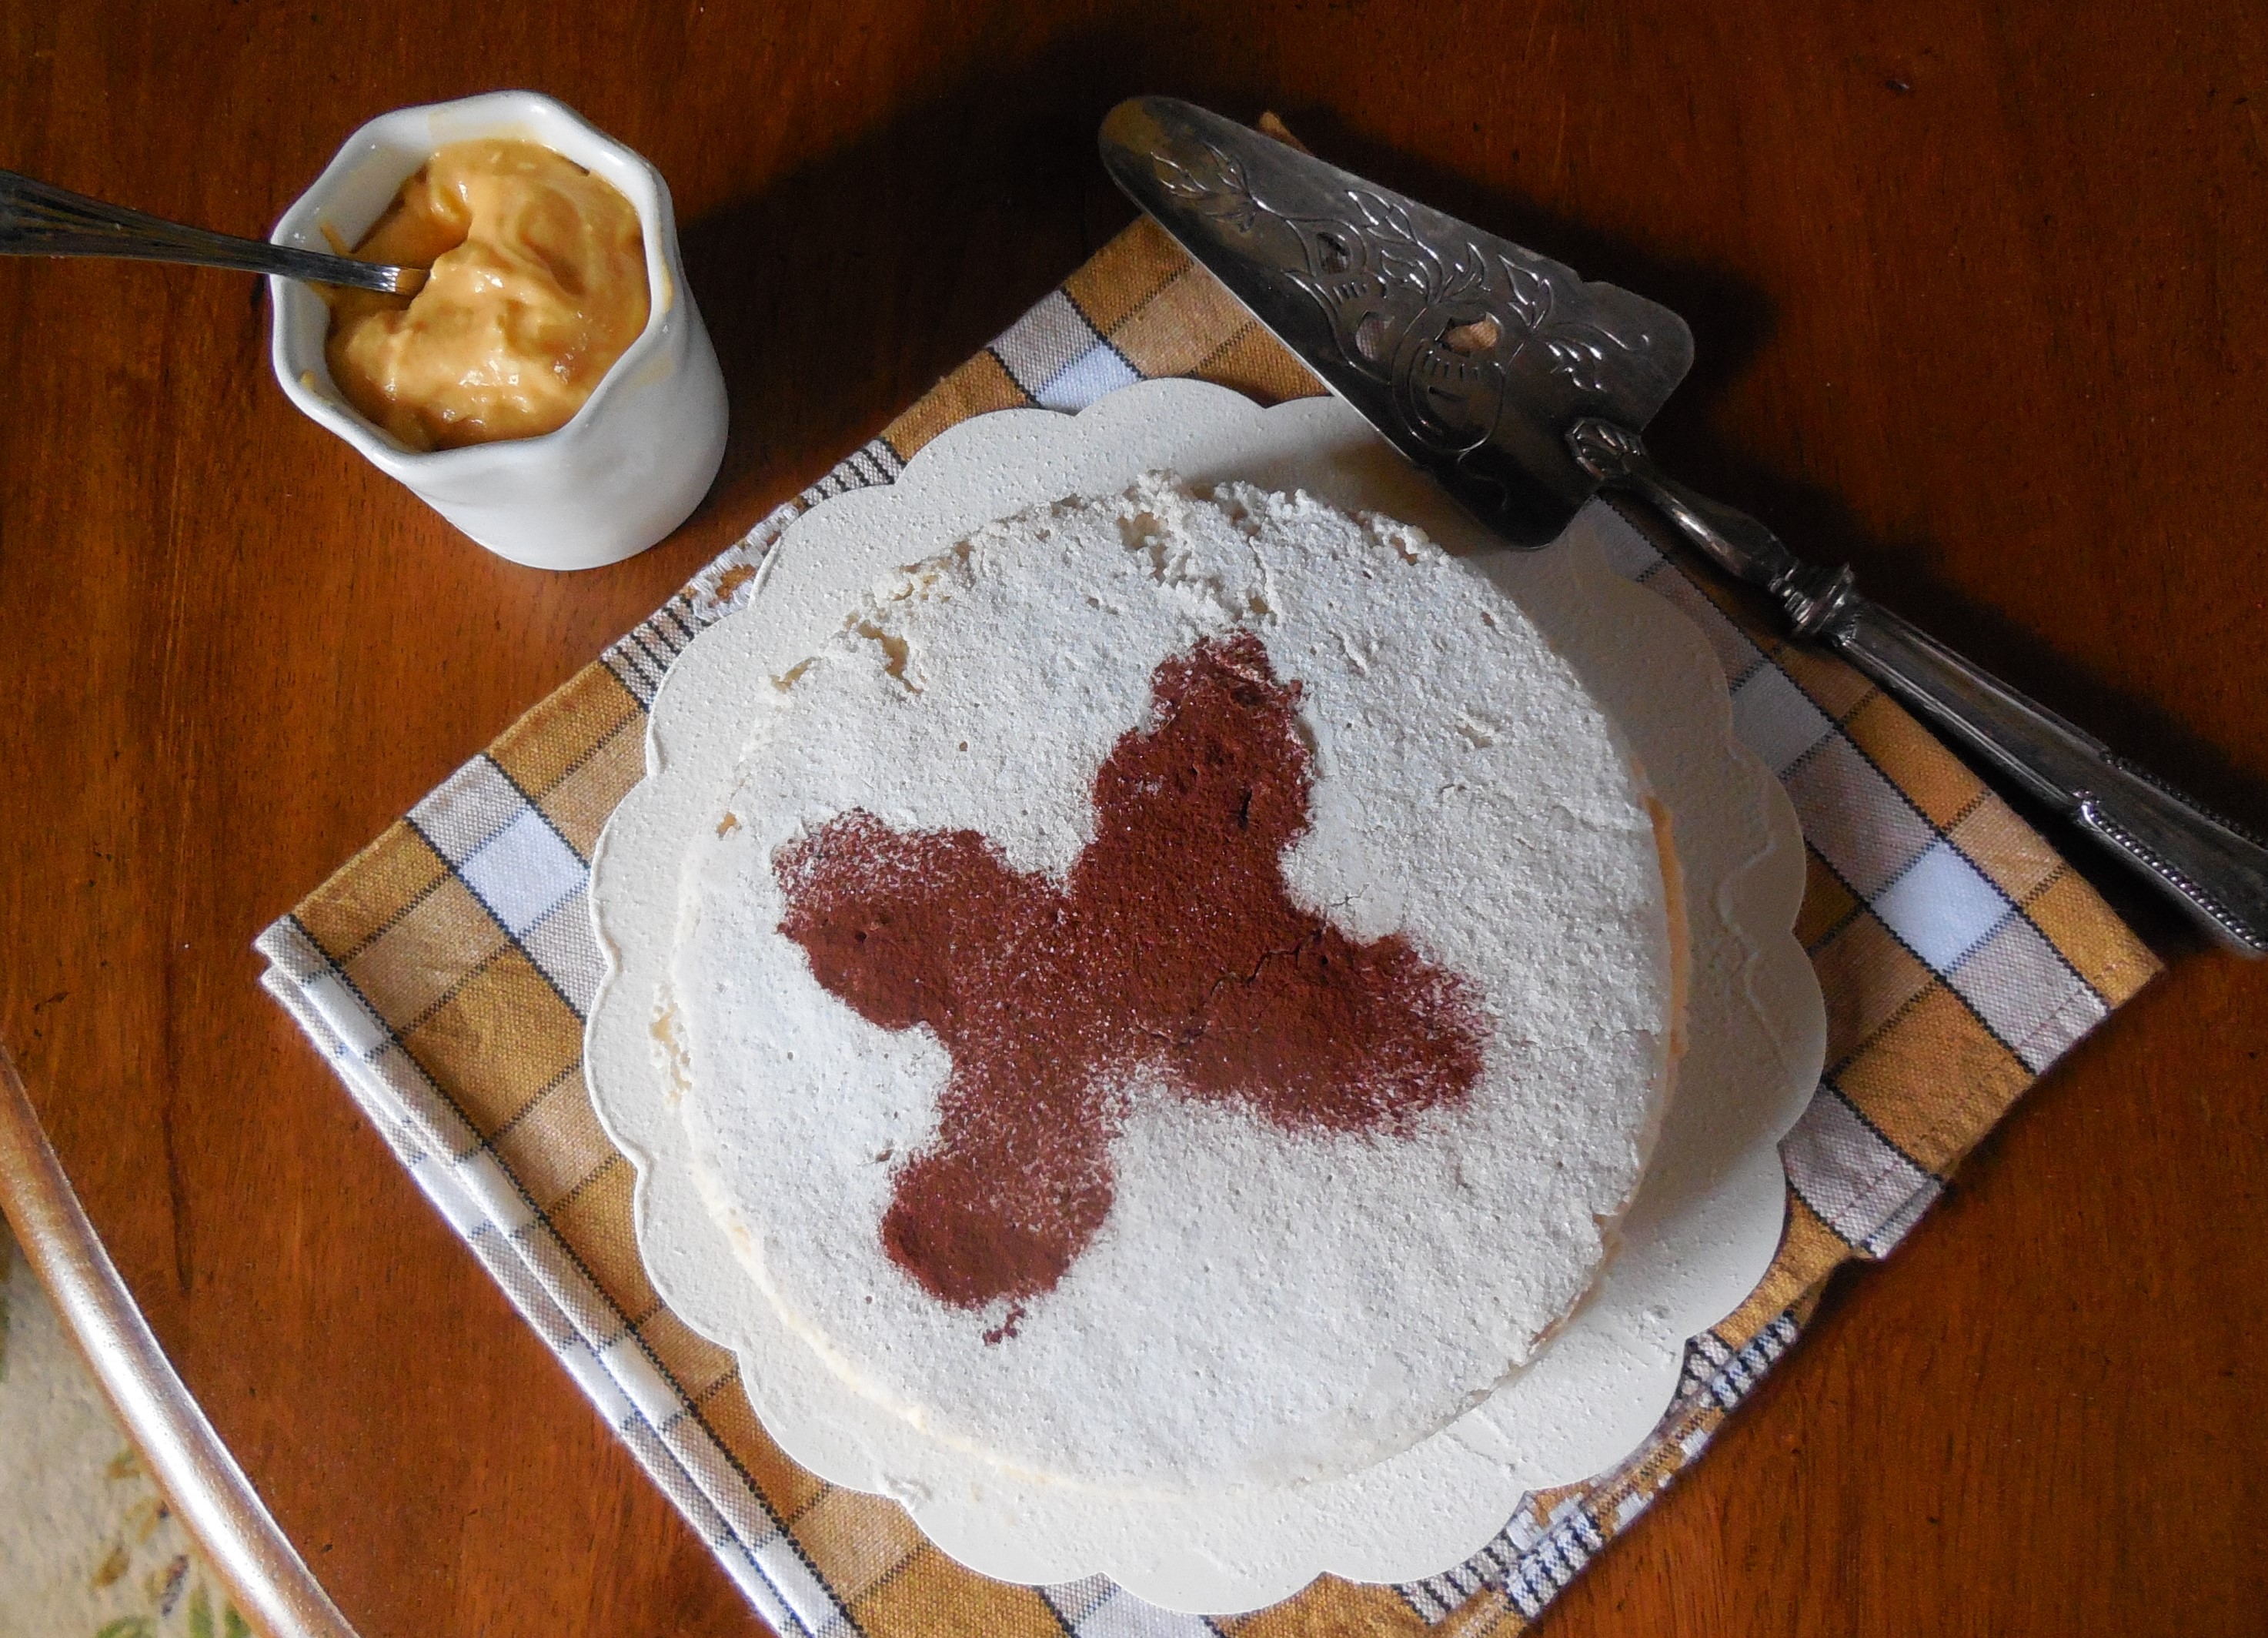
[1698,1236]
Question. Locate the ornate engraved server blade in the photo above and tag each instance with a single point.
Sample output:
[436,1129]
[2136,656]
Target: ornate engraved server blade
[1524,390]
[1472,356]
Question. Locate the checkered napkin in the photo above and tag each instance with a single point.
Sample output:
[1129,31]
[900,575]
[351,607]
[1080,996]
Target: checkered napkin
[446,971]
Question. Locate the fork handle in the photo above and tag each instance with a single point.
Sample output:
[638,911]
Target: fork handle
[2212,867]
[39,219]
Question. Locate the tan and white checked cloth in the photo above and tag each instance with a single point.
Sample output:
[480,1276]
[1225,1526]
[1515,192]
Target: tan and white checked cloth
[446,971]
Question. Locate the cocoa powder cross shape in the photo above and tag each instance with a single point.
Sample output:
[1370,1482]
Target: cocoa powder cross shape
[1170,955]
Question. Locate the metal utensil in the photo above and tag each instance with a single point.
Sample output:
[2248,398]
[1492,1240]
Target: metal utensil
[38,219]
[1523,390]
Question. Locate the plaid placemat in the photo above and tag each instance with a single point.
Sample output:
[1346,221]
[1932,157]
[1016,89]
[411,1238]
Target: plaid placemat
[446,968]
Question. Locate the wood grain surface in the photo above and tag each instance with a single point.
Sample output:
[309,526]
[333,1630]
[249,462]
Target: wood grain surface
[1980,294]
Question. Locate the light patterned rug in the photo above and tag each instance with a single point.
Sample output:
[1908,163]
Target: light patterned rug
[88,1546]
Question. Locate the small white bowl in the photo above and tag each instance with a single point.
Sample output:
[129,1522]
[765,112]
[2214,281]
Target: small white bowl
[642,451]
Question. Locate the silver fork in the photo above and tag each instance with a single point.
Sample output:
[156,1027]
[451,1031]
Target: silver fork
[38,219]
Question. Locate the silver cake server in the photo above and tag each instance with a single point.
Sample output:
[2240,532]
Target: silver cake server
[1524,389]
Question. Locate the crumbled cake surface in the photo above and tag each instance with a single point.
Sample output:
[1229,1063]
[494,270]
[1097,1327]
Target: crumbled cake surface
[1179,991]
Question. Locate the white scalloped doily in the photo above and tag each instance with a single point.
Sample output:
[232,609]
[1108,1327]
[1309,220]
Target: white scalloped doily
[1697,1238]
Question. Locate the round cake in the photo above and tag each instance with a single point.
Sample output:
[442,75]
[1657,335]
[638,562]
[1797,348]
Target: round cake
[1179,993]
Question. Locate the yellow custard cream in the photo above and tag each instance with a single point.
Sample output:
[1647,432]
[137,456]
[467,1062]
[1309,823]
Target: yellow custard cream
[538,286]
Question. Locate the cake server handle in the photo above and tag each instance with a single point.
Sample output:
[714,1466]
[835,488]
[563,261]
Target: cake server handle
[2214,869]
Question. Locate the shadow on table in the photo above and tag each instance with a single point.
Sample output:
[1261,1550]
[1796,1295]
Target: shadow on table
[842,292]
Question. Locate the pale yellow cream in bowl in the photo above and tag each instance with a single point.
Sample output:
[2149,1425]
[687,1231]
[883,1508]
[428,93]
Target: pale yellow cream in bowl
[538,286]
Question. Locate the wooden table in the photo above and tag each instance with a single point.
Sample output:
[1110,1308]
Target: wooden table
[1981,300]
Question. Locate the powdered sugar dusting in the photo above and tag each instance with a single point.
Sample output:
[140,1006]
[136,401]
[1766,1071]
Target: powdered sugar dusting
[1257,1300]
